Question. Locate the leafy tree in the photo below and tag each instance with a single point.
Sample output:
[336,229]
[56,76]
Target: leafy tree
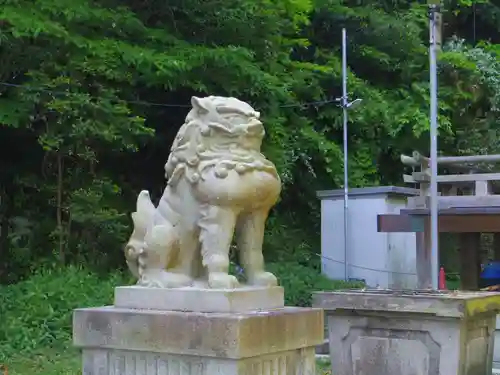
[95,91]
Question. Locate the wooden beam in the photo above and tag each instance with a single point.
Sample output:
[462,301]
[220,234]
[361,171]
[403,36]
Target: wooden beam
[446,202]
[393,223]
[473,177]
[447,160]
[455,211]
[470,224]
[408,179]
[453,162]
[469,159]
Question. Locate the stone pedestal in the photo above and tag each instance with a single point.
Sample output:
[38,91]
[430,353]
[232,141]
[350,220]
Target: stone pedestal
[132,340]
[380,332]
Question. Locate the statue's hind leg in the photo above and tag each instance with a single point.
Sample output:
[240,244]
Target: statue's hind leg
[185,263]
[216,233]
[162,244]
[250,236]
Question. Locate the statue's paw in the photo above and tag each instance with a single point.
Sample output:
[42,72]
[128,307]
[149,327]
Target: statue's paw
[220,280]
[148,282]
[177,280]
[164,279]
[263,279]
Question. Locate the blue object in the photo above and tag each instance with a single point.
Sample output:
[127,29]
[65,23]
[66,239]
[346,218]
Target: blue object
[491,271]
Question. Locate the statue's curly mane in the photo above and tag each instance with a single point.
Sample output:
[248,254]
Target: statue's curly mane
[195,149]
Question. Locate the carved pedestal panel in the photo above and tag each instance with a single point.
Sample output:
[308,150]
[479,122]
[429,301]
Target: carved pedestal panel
[123,362]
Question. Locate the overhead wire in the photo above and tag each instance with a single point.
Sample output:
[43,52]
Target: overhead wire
[152,104]
[240,270]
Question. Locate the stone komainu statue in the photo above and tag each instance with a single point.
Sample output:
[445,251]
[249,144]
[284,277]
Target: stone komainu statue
[219,184]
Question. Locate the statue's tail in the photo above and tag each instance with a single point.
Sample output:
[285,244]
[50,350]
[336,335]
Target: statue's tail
[143,220]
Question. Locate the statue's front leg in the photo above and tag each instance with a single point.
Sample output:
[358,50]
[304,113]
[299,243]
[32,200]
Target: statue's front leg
[216,233]
[250,237]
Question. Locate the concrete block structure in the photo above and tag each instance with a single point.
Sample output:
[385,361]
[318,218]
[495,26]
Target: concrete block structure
[387,260]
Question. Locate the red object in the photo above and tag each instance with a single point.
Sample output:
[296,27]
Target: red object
[442,279]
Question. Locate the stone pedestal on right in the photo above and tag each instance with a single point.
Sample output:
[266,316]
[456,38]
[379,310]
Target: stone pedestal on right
[383,332]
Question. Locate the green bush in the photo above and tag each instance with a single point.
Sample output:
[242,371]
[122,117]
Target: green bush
[301,281]
[37,312]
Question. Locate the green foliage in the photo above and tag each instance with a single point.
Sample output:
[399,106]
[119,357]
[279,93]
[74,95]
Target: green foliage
[476,71]
[46,361]
[83,72]
[37,312]
[92,94]
[301,281]
[487,65]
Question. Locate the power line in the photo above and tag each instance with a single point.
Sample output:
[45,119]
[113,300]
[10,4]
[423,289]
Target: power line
[309,104]
[145,103]
[240,270]
[364,268]
[53,92]
[374,269]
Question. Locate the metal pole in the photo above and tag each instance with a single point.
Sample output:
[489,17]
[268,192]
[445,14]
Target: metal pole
[433,10]
[346,181]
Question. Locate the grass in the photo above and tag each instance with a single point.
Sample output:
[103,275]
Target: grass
[46,362]
[323,367]
[68,362]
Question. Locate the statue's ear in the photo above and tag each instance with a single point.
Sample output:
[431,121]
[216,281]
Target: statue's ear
[199,104]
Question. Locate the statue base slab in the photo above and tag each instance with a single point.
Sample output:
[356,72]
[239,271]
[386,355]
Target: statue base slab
[142,342]
[199,299]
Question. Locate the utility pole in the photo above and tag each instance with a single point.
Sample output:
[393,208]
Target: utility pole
[345,104]
[346,176]
[435,43]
